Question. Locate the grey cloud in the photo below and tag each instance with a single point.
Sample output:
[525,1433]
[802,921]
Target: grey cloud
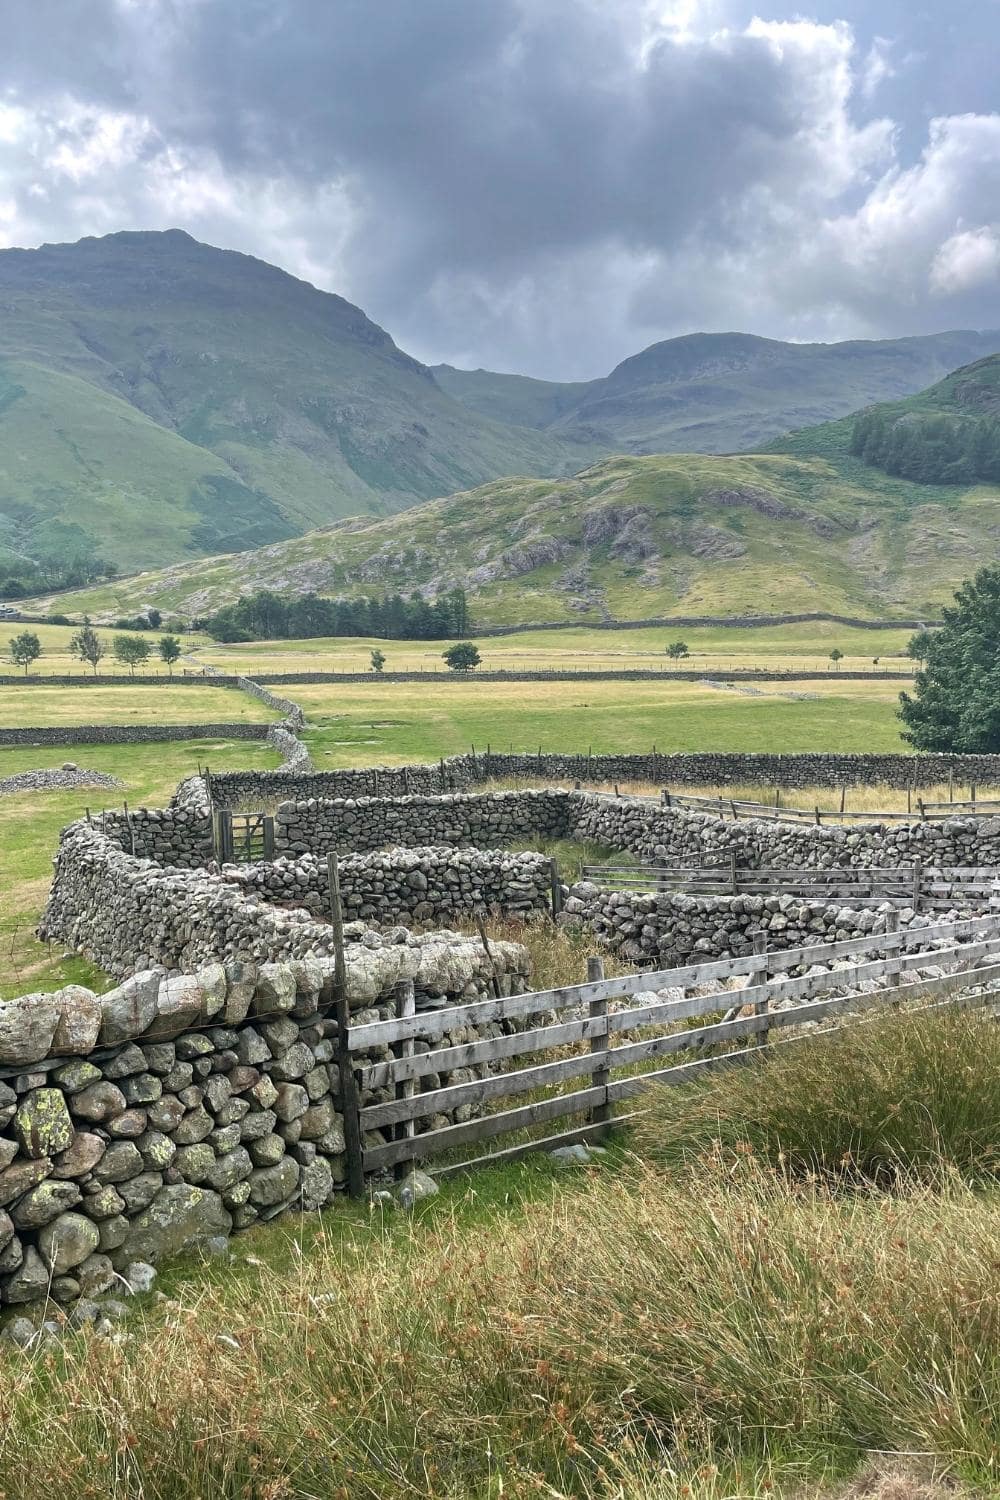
[512,183]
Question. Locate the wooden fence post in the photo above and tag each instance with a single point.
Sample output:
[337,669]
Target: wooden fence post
[268,837]
[918,874]
[348,1083]
[761,1007]
[600,1077]
[555,886]
[733,884]
[406,1005]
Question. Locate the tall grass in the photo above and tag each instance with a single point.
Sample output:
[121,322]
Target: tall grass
[899,1096]
[632,1337]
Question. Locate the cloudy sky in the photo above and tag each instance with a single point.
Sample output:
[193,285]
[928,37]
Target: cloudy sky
[535,185]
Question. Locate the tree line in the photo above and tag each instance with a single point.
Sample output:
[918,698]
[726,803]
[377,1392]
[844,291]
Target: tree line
[266,616]
[128,650]
[928,449]
[22,579]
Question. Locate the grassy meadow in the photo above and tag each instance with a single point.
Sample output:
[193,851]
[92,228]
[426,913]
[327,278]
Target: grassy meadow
[806,646]
[57,660]
[38,706]
[29,835]
[710,1325]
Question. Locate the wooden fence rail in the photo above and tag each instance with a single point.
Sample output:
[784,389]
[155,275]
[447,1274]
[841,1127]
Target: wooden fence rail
[613,1038]
[924,887]
[775,811]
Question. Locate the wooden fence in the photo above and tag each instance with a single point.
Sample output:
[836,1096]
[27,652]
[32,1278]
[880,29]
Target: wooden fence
[777,811]
[924,887]
[244,838]
[607,1045]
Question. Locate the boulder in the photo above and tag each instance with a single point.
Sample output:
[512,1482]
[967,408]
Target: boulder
[67,1241]
[179,1217]
[44,1203]
[79,1021]
[28,1027]
[42,1123]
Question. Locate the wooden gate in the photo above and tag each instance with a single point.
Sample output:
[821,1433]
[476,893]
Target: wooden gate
[600,1035]
[243,838]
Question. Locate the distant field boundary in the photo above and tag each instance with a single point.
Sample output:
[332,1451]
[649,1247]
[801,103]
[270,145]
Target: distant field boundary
[727,622]
[131,734]
[561,674]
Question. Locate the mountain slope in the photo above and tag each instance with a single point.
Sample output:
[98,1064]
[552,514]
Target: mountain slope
[629,538]
[719,392]
[297,406]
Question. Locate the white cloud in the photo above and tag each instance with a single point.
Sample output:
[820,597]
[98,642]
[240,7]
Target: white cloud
[967,260]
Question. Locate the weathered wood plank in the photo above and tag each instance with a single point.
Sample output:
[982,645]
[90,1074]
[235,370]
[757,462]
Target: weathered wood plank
[433,1142]
[491,1049]
[437,1023]
[543,1143]
[477,1091]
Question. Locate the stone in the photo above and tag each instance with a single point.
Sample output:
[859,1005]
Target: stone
[195,1162]
[125,1063]
[21,1332]
[179,1005]
[160,1056]
[85,1313]
[179,1218]
[113,1232]
[106,1203]
[120,1162]
[195,1126]
[140,1276]
[79,1021]
[17,1179]
[293,1064]
[96,1274]
[30,1282]
[571,1156]
[42,1123]
[258,1123]
[241,981]
[139,1192]
[273,1185]
[11,1256]
[98,1102]
[230,1169]
[291,1100]
[266,1151]
[166,1114]
[44,1202]
[264,1093]
[274,991]
[6,1228]
[129,1124]
[212,982]
[318,1120]
[251,1048]
[195,1044]
[67,1241]
[74,1076]
[80,1157]
[415,1187]
[316,1184]
[27,1028]
[157,1150]
[142,1088]
[129,1009]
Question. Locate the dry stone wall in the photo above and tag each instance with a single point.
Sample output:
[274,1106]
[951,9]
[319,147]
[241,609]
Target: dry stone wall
[481,820]
[666,930]
[132,734]
[180,1107]
[432,885]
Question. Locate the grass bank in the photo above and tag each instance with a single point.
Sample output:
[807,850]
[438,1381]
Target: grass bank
[173,703]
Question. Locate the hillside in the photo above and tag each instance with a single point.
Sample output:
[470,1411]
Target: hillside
[719,392]
[629,538]
[161,399]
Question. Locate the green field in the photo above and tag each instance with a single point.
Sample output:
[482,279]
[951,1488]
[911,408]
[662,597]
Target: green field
[57,660]
[715,649]
[394,722]
[178,703]
[29,835]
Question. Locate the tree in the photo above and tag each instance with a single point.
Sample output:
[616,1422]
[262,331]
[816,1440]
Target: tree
[918,645]
[131,651]
[169,648]
[677,649]
[955,705]
[463,656]
[836,656]
[24,649]
[155,619]
[378,660]
[87,644]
